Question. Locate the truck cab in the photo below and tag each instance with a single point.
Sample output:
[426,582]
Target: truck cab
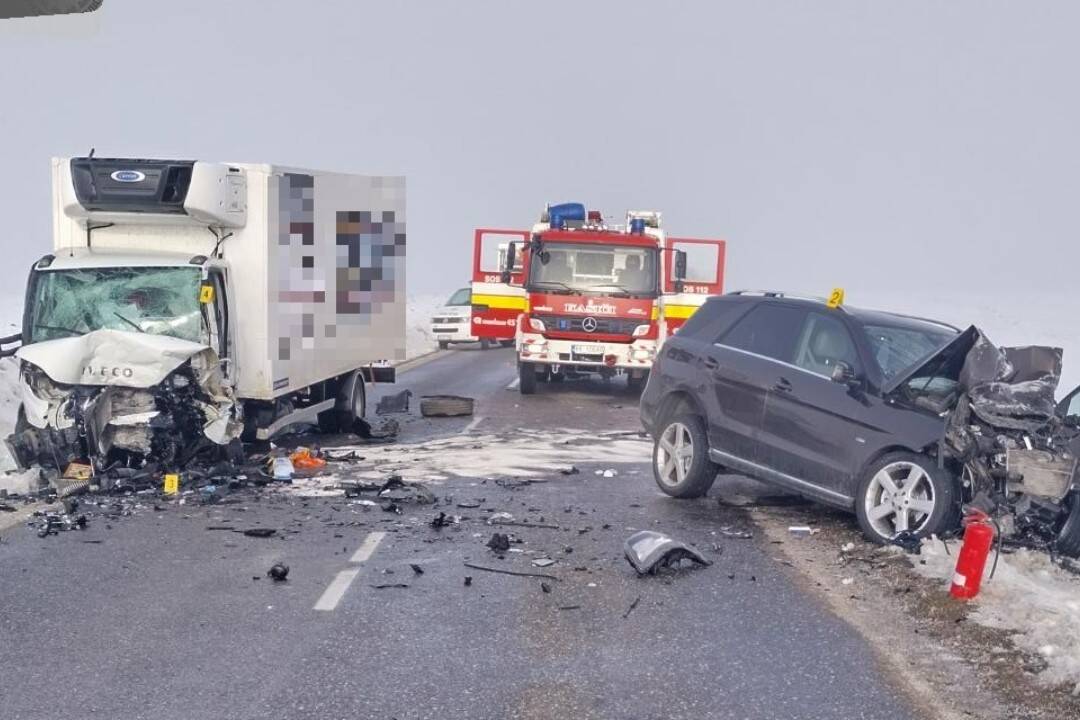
[601,299]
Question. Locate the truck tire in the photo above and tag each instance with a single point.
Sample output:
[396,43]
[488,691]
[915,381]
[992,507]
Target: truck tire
[526,378]
[506,343]
[348,410]
[681,464]
[443,344]
[637,384]
[933,487]
[1068,539]
[485,343]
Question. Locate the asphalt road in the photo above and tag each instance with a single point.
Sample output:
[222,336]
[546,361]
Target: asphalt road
[154,615]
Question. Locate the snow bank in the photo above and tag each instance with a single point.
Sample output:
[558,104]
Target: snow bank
[1028,595]
[419,339]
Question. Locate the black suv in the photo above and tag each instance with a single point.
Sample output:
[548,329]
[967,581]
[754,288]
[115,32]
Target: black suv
[795,393]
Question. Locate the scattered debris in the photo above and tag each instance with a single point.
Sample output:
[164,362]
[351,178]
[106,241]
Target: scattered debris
[609,473]
[569,607]
[397,490]
[499,542]
[446,406]
[909,541]
[259,532]
[306,459]
[416,568]
[511,572]
[282,469]
[572,470]
[545,587]
[442,520]
[468,504]
[384,586]
[543,562]
[468,580]
[736,534]
[631,608]
[278,572]
[648,551]
[396,403]
[802,530]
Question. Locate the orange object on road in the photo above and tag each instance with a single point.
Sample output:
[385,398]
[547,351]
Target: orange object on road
[302,459]
[978,539]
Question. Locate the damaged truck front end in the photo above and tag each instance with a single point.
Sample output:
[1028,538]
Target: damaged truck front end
[114,398]
[1014,449]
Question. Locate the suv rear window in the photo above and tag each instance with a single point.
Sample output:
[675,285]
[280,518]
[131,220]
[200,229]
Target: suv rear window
[769,330]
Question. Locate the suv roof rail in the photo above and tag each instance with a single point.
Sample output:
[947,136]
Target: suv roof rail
[779,294]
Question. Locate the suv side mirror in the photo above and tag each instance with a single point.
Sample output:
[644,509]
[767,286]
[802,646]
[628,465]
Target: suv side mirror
[844,374]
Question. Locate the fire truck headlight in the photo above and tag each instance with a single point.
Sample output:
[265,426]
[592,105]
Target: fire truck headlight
[643,354]
[641,330]
[536,324]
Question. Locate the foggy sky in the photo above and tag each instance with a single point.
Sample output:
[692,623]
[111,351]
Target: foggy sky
[892,145]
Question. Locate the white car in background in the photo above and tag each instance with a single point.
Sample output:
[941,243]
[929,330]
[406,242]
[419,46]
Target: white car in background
[452,323]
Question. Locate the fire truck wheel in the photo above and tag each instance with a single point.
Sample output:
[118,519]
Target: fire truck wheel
[1068,539]
[443,344]
[637,384]
[526,378]
[485,344]
[905,491]
[681,464]
[506,343]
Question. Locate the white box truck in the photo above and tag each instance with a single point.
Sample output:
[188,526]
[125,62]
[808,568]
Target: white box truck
[188,302]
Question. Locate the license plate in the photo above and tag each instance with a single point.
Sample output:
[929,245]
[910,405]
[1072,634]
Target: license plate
[442,330]
[587,349]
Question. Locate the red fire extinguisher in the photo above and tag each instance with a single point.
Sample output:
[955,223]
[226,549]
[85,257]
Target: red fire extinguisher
[978,539]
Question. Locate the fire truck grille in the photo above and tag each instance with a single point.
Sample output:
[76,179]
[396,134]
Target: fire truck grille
[604,326]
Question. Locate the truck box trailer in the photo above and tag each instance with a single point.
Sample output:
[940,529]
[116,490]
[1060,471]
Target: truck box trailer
[280,292]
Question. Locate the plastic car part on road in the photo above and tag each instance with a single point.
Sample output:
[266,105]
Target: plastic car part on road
[648,551]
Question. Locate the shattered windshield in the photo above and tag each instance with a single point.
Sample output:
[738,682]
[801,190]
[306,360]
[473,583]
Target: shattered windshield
[898,347]
[461,297]
[154,300]
[606,269]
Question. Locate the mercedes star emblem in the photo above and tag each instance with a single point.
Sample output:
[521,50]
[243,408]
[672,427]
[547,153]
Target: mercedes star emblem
[588,324]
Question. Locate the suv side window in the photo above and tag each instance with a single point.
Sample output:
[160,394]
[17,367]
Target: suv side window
[823,343]
[769,330]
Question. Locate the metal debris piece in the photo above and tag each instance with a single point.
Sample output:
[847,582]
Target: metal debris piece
[416,568]
[543,562]
[441,520]
[468,580]
[499,542]
[802,530]
[572,470]
[510,572]
[446,406]
[736,534]
[389,585]
[260,532]
[278,572]
[468,504]
[909,541]
[631,608]
[648,551]
[545,587]
[396,403]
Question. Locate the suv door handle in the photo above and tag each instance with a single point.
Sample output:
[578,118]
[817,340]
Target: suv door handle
[710,363]
[782,385]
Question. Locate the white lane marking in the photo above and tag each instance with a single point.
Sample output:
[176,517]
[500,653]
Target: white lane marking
[336,590]
[514,384]
[367,548]
[341,582]
[472,425]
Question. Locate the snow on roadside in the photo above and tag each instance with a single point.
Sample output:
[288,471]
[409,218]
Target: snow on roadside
[1028,595]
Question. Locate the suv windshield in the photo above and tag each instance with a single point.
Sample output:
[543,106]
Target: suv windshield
[159,301]
[899,347]
[461,297]
[608,269]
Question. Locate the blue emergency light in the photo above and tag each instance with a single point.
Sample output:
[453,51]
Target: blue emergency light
[637,226]
[559,214]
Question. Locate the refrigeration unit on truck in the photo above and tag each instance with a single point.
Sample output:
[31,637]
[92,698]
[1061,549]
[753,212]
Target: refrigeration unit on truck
[593,298]
[189,302]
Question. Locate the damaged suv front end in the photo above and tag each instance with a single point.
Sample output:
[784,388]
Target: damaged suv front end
[1013,447]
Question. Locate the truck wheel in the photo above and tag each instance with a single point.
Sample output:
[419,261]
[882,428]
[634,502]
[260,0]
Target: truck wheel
[681,464]
[348,410]
[637,384]
[1068,539]
[506,343]
[905,491]
[485,344]
[443,344]
[526,378]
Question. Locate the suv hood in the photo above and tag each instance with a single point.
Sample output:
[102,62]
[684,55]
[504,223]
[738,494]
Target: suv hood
[110,357]
[947,361]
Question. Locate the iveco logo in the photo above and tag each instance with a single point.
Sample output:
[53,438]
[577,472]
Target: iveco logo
[129,176]
[588,324]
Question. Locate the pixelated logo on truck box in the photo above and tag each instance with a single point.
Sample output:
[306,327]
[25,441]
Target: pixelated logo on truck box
[38,8]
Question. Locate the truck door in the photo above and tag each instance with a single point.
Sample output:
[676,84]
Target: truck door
[704,277]
[496,304]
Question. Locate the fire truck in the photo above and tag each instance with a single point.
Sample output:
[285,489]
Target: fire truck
[579,296]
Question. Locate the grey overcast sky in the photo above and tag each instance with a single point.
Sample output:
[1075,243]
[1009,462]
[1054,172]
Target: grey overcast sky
[903,144]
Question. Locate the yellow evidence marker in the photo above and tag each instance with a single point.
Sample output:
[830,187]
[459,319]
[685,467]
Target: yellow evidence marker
[836,298]
[206,294]
[172,484]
